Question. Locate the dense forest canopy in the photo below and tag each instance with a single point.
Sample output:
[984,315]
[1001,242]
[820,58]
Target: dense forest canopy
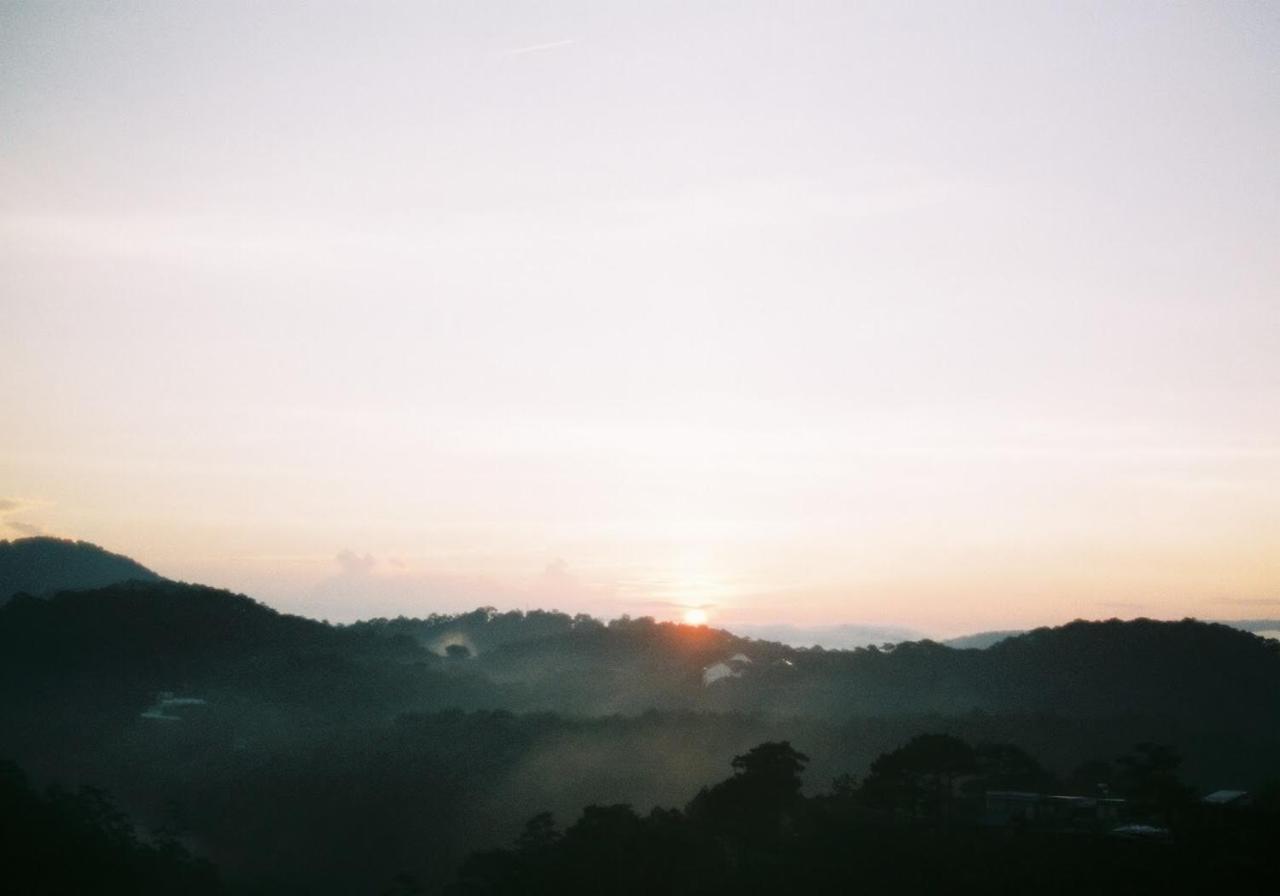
[44,565]
[390,746]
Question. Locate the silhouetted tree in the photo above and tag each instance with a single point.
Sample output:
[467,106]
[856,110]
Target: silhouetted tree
[539,833]
[1093,777]
[1148,778]
[757,804]
[920,777]
[773,766]
[1007,767]
[404,885]
[65,843]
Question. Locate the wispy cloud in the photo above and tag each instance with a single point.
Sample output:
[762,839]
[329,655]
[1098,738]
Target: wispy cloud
[1249,601]
[678,605]
[538,48]
[9,507]
[1124,606]
[366,586]
[354,564]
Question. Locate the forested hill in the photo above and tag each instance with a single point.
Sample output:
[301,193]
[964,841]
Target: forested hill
[44,565]
[165,636]
[105,654]
[1188,670]
[1266,627]
[325,757]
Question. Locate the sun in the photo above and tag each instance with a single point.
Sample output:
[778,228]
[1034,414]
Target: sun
[695,616]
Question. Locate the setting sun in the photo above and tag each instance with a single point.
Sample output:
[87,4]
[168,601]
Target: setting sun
[695,616]
[586,448]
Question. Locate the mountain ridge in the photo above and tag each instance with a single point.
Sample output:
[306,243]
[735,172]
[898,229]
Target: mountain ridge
[168,633]
[43,565]
[212,712]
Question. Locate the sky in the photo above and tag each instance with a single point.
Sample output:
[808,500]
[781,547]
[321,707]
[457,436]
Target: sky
[947,316]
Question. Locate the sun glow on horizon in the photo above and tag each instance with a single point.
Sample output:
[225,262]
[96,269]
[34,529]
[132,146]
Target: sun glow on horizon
[990,348]
[695,616]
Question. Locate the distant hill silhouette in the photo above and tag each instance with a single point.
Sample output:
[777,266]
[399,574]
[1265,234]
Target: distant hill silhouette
[837,637]
[162,635]
[43,565]
[982,640]
[407,743]
[106,653]
[1267,627]
[1090,669]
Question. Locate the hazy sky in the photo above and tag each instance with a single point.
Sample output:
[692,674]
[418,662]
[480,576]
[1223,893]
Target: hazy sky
[945,315]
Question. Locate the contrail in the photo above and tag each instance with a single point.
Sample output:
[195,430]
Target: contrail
[538,48]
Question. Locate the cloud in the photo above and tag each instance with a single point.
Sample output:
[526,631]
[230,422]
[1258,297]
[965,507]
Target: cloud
[538,48]
[364,586]
[556,578]
[354,564]
[560,587]
[1249,601]
[557,570]
[1124,606]
[11,506]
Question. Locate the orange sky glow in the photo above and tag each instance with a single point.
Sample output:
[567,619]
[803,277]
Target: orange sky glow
[810,316]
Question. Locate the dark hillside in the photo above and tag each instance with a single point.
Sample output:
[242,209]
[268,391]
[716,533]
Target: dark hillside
[44,565]
[81,666]
[403,744]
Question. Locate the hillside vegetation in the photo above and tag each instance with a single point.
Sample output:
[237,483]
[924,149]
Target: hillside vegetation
[357,752]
